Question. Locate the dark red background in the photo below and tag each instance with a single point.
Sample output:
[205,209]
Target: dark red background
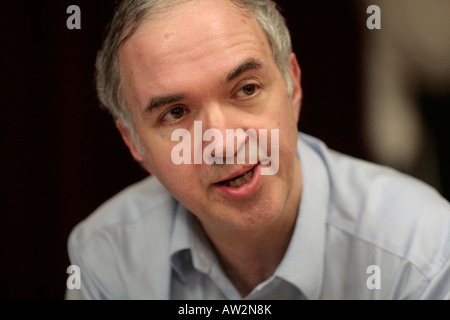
[62,156]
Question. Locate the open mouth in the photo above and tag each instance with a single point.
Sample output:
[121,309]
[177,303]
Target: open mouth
[238,181]
[241,184]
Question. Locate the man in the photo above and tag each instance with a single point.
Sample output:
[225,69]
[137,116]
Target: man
[320,225]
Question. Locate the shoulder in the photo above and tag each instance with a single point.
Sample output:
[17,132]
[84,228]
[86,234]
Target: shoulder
[387,209]
[144,200]
[126,237]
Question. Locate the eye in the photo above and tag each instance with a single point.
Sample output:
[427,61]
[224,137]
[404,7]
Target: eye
[247,91]
[173,114]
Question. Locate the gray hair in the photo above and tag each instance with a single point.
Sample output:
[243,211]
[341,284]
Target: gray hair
[130,14]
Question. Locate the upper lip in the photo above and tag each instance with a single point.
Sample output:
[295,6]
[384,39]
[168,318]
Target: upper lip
[239,172]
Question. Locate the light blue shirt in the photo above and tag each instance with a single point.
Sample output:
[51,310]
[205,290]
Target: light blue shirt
[363,232]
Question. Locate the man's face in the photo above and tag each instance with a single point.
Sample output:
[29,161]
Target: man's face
[208,61]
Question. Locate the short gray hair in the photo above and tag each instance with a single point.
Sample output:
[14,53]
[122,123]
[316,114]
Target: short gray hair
[130,14]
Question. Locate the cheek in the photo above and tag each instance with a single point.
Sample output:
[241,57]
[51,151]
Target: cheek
[283,119]
[160,162]
[177,179]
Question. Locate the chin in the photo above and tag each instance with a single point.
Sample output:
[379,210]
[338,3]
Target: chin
[253,216]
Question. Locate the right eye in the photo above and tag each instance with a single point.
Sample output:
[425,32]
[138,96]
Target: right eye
[173,115]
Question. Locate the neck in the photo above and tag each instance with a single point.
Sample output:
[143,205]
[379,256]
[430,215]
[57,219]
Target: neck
[249,257]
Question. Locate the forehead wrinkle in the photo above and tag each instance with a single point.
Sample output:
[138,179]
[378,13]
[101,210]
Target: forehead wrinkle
[148,50]
[247,65]
[193,26]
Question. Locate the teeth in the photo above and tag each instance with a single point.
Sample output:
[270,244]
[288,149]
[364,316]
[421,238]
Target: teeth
[240,180]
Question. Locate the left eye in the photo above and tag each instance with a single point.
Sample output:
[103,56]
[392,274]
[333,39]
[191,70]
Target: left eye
[247,91]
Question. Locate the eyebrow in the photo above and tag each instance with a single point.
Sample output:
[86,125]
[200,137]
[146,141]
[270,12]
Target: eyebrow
[160,101]
[249,64]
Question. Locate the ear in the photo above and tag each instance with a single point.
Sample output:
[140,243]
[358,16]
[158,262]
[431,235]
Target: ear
[297,94]
[126,136]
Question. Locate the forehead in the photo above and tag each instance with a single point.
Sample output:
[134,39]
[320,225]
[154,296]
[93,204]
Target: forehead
[208,35]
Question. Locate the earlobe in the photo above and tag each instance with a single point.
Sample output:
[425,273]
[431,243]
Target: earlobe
[127,138]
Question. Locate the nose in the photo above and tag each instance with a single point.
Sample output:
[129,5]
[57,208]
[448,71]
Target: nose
[223,137]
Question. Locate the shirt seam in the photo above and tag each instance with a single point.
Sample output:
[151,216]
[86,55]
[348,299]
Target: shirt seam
[105,228]
[342,228]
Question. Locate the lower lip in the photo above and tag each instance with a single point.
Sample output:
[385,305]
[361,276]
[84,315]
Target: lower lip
[246,190]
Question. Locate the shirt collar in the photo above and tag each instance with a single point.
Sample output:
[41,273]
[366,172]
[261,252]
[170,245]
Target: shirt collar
[303,262]
[190,249]
[180,244]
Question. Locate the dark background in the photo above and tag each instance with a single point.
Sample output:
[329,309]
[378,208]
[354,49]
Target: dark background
[62,155]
